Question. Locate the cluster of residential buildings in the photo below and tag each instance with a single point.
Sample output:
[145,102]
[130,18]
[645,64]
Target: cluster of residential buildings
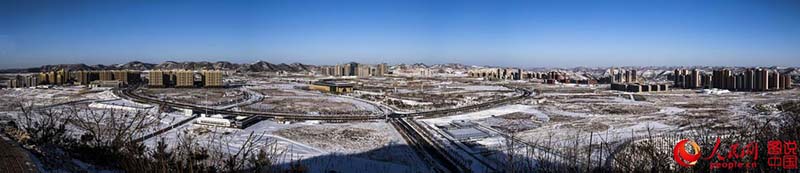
[623,76]
[184,78]
[355,69]
[119,78]
[499,73]
[20,81]
[629,81]
[551,77]
[753,79]
[97,78]
[639,87]
[513,74]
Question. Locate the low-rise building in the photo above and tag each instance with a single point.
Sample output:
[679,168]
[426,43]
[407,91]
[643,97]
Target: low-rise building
[636,87]
[332,87]
[106,84]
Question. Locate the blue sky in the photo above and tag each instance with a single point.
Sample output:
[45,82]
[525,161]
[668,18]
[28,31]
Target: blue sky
[504,33]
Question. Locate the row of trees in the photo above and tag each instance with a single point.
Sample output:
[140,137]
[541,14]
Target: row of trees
[590,152]
[105,140]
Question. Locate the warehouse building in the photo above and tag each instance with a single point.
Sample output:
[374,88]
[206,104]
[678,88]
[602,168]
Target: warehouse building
[332,86]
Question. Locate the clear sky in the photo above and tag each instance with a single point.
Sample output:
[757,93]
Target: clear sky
[492,32]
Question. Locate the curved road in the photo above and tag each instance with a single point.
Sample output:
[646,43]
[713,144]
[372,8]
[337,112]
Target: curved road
[416,137]
[128,93]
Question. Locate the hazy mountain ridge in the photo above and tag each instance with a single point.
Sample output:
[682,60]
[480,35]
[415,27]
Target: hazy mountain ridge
[260,66]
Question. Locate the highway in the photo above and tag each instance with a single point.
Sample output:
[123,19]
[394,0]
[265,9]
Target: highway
[416,136]
[128,93]
[426,147]
[470,108]
[252,116]
[422,141]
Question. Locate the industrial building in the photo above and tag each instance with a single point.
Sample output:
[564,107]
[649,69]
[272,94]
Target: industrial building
[214,120]
[105,84]
[331,86]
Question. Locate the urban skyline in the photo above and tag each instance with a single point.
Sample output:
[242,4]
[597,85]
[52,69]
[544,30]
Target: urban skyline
[397,86]
[497,33]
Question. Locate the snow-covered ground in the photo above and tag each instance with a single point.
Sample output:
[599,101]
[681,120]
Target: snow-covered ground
[488,113]
[367,146]
[482,87]
[562,119]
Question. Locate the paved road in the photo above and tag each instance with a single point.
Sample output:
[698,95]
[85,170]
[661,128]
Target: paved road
[128,93]
[426,148]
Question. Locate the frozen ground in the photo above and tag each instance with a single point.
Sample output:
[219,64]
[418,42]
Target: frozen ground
[45,97]
[483,88]
[315,105]
[367,146]
[488,113]
[199,96]
[565,115]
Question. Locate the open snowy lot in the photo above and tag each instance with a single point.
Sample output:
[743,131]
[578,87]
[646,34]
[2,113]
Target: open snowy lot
[199,96]
[315,105]
[567,115]
[367,146]
[50,96]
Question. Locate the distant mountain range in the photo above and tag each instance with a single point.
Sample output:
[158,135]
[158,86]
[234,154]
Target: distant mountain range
[259,66]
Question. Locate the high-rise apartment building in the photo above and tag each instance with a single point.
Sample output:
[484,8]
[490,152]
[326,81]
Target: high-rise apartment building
[212,78]
[184,78]
[157,78]
[382,69]
[106,75]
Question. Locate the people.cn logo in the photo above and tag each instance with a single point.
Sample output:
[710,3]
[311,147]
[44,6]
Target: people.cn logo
[682,155]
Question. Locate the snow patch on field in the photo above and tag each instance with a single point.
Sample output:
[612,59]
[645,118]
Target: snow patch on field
[482,87]
[671,110]
[488,113]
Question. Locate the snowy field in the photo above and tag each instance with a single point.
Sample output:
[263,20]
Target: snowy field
[45,97]
[285,97]
[367,146]
[562,118]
